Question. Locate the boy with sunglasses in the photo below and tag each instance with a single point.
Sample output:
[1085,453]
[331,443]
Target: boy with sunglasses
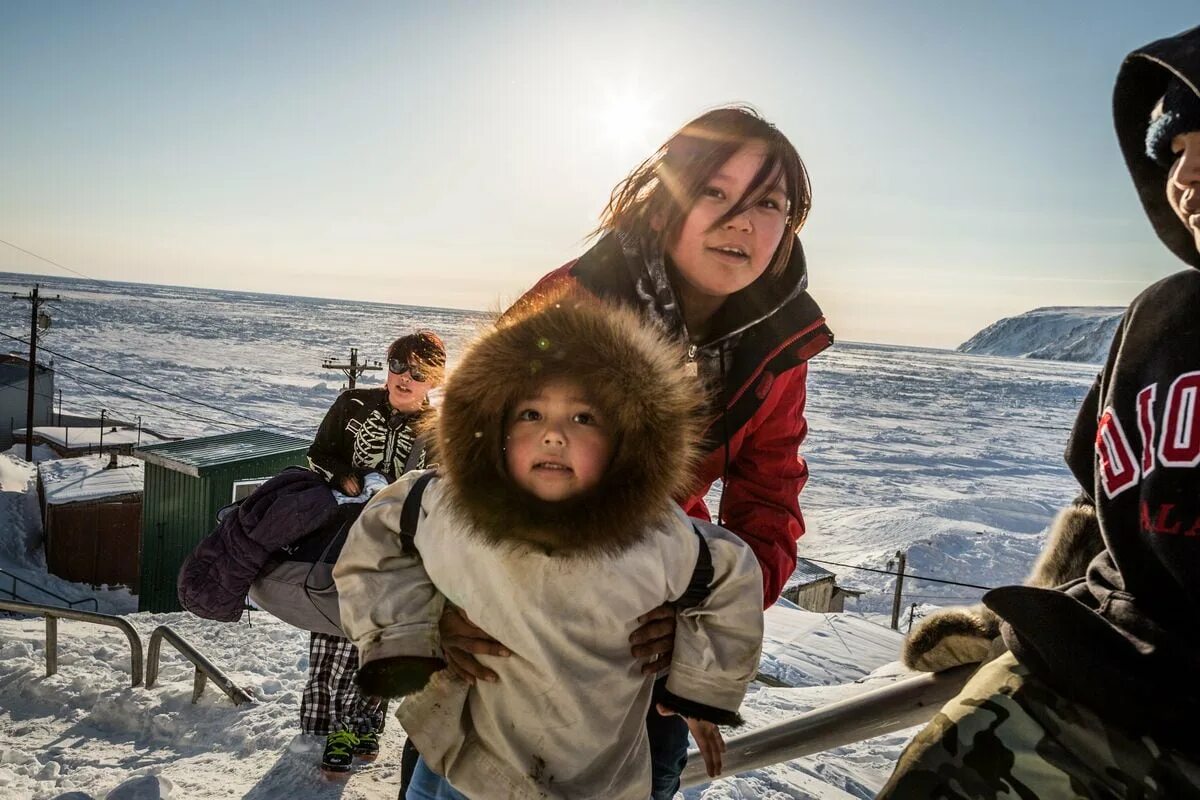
[365,431]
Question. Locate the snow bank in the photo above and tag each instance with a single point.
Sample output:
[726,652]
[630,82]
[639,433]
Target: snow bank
[1058,334]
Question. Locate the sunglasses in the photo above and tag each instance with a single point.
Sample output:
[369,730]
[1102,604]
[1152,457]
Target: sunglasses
[398,367]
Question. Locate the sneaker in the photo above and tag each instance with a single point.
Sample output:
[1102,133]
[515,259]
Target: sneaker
[367,746]
[339,752]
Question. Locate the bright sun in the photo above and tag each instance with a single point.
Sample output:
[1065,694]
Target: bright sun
[629,121]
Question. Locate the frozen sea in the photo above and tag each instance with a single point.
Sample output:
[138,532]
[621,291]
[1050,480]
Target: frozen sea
[954,459]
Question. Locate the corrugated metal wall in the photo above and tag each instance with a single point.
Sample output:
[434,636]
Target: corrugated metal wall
[180,510]
[95,542]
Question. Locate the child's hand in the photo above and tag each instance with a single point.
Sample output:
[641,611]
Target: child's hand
[460,639]
[708,739]
[655,639]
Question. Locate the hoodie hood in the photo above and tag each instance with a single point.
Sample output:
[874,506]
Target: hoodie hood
[1141,82]
[638,382]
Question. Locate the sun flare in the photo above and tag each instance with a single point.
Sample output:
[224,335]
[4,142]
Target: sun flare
[629,121]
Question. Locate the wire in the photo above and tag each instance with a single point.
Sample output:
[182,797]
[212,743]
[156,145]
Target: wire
[906,575]
[48,261]
[174,411]
[167,392]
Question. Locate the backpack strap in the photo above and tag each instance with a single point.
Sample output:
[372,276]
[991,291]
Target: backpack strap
[416,454]
[700,586]
[410,514]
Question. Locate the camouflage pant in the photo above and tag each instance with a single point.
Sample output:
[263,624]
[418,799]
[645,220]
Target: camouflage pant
[1008,735]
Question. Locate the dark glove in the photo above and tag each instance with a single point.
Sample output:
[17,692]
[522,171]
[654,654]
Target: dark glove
[397,677]
[967,635]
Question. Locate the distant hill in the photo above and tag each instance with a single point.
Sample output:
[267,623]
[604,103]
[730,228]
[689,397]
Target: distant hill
[1080,333]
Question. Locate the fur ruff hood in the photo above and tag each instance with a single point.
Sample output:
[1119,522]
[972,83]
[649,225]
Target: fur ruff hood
[640,386]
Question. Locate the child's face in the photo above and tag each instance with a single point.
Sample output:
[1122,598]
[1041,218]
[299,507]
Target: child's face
[1183,182]
[716,262]
[556,443]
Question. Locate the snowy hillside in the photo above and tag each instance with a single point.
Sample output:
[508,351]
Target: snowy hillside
[1057,333]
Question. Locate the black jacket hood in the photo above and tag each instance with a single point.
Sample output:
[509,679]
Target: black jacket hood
[1140,84]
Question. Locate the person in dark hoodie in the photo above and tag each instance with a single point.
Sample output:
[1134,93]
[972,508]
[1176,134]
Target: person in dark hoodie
[701,238]
[563,436]
[365,432]
[1097,695]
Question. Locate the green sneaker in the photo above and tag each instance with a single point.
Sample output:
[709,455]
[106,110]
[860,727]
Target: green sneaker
[339,752]
[367,746]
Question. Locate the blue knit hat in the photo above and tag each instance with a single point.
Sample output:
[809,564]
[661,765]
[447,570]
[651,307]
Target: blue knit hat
[1178,112]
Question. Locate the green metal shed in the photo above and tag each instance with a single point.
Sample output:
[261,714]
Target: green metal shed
[187,482]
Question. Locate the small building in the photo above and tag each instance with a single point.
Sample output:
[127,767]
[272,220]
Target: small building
[71,441]
[187,482]
[814,588]
[14,396]
[92,518]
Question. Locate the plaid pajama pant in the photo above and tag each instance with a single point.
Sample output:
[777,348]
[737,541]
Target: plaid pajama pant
[331,700]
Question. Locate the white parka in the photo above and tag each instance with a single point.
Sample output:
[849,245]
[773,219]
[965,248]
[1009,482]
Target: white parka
[567,717]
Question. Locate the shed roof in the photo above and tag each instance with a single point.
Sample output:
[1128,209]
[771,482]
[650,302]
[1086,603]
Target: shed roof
[196,457]
[75,480]
[81,437]
[807,572]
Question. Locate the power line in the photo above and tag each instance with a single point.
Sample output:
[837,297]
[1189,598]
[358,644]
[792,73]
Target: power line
[173,411]
[906,575]
[167,392]
[48,261]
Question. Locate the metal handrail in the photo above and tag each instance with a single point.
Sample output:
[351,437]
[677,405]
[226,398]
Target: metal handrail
[205,669]
[54,613]
[901,705]
[44,590]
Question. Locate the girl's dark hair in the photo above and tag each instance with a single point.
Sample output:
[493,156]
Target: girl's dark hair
[653,200]
[423,346]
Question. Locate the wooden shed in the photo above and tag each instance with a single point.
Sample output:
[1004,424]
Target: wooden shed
[92,519]
[814,588]
[187,482]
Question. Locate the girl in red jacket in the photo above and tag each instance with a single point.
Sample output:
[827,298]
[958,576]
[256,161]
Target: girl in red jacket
[702,238]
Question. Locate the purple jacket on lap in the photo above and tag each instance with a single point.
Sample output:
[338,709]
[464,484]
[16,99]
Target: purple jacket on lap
[215,577]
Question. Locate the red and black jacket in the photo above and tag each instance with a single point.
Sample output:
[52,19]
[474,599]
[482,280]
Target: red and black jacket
[754,443]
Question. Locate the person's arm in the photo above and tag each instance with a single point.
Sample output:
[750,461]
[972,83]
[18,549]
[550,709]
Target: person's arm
[389,607]
[329,454]
[761,498]
[718,643]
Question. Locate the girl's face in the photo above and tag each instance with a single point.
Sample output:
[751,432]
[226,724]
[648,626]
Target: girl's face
[713,263]
[1183,182]
[556,444]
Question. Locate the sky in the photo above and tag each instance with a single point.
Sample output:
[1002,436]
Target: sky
[962,156]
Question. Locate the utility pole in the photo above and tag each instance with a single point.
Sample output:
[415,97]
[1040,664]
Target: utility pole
[37,321]
[899,587]
[102,413]
[912,612]
[60,407]
[139,441]
[354,368]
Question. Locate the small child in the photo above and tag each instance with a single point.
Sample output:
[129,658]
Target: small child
[564,434]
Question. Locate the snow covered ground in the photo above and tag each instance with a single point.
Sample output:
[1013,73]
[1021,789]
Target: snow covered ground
[953,458]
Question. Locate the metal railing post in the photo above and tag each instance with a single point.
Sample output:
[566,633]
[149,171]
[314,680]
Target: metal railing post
[54,613]
[204,668]
[51,645]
